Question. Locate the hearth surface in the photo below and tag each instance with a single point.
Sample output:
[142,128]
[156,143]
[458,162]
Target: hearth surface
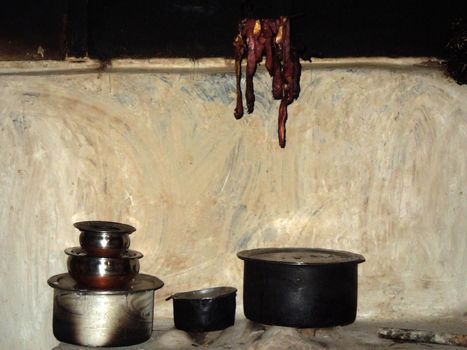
[246,335]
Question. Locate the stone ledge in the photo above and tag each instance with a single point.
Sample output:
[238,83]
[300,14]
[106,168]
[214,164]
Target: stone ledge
[208,65]
[246,335]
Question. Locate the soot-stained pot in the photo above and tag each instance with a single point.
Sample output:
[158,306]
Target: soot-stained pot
[204,310]
[300,287]
[104,238]
[103,317]
[102,273]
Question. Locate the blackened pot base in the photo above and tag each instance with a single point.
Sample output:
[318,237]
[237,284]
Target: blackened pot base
[300,287]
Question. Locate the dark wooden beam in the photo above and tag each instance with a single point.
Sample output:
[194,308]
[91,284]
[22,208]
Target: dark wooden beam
[330,28]
[77,28]
[32,30]
[51,29]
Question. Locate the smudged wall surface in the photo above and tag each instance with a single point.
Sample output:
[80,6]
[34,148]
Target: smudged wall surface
[375,163]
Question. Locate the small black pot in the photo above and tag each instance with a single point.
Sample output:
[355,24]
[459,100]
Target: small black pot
[204,310]
[300,287]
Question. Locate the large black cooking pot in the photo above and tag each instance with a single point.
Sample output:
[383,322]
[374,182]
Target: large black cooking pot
[300,287]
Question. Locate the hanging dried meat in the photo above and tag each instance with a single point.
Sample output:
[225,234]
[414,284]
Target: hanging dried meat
[270,38]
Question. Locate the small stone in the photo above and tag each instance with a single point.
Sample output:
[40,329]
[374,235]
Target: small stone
[174,339]
[284,338]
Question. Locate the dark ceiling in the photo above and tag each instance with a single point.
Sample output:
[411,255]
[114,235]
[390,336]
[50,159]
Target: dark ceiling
[196,28]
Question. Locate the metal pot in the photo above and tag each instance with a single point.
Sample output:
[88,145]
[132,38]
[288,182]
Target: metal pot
[103,317]
[204,310]
[300,287]
[102,273]
[104,238]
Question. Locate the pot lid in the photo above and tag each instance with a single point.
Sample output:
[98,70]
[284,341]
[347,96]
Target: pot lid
[301,256]
[203,294]
[104,227]
[80,252]
[140,283]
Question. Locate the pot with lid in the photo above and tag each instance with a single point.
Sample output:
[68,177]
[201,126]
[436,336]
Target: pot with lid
[104,238]
[102,272]
[300,287]
[99,317]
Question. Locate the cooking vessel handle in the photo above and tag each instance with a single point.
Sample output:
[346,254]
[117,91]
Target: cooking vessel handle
[168,298]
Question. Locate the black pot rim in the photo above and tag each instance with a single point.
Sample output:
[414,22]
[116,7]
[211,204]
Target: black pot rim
[204,294]
[329,256]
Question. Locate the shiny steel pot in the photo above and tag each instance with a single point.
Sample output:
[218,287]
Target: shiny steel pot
[300,287]
[98,272]
[104,238]
[103,317]
[204,310]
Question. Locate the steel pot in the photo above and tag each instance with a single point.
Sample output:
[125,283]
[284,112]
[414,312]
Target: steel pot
[102,273]
[204,310]
[103,317]
[300,287]
[104,238]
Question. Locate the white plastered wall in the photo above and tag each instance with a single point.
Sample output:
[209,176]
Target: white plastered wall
[375,163]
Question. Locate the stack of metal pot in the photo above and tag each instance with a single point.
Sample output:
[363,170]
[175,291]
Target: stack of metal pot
[103,300]
[103,261]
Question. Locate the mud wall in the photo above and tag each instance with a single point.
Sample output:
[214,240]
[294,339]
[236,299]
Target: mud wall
[375,163]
